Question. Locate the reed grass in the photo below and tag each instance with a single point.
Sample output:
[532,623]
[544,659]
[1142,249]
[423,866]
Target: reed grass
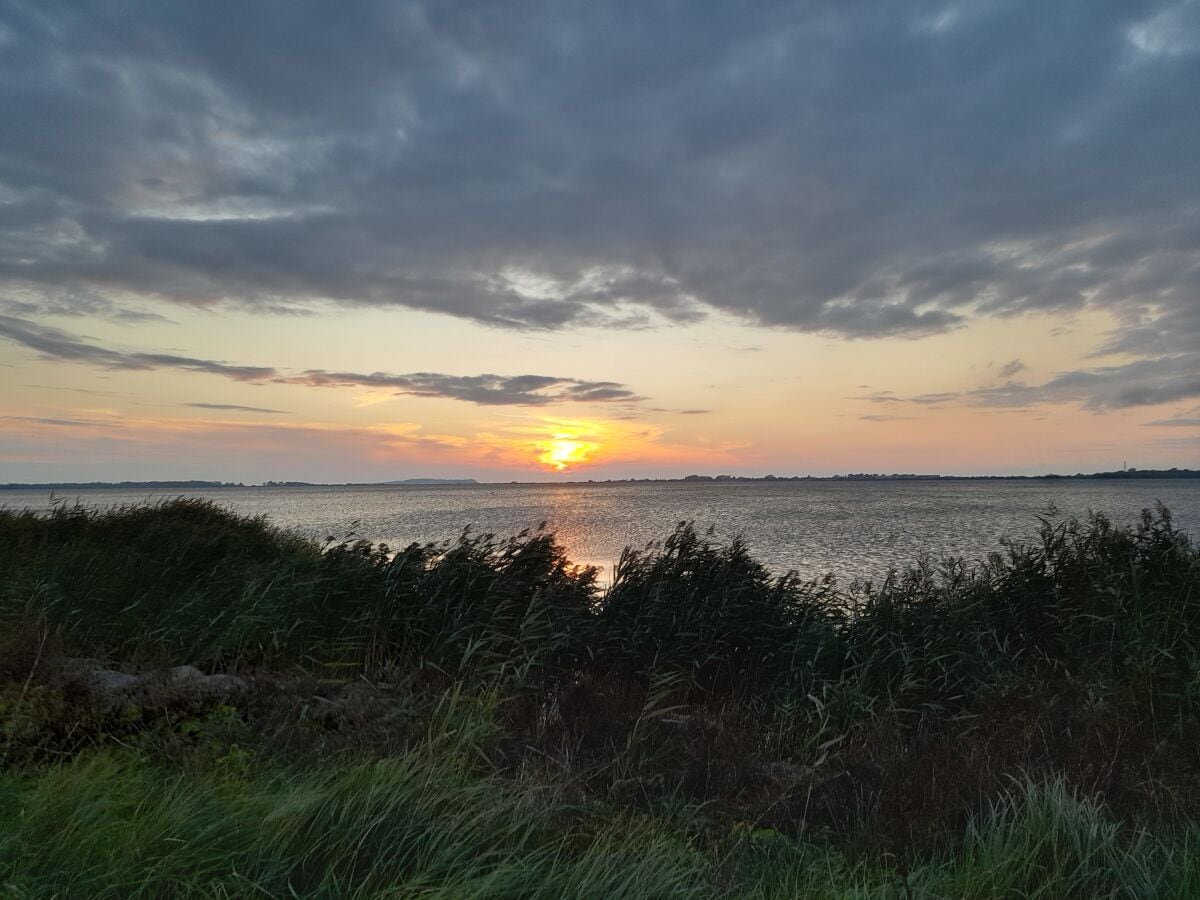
[187,581]
[1031,714]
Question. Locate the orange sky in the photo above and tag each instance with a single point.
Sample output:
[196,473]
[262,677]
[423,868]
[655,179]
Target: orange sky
[707,398]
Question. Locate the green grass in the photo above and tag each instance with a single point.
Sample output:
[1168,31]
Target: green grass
[480,719]
[119,825]
[116,825]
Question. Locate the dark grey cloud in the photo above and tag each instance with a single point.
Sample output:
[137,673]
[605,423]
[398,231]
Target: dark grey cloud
[542,165]
[883,418]
[235,407]
[484,390]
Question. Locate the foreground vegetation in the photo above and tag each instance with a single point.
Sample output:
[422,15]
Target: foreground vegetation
[480,719]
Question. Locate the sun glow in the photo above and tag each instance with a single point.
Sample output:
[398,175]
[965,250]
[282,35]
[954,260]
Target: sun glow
[565,449]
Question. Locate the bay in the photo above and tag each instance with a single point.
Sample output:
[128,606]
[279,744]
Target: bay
[848,528]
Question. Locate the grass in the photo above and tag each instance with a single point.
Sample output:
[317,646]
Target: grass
[480,719]
[116,825]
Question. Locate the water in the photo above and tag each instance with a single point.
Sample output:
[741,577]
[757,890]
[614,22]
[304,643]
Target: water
[852,529]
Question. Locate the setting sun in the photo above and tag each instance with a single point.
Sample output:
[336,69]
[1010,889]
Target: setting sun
[563,451]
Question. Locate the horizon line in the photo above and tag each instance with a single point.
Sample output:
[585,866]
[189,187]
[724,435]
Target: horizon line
[1132,473]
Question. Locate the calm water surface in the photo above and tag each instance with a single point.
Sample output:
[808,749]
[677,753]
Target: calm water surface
[853,529]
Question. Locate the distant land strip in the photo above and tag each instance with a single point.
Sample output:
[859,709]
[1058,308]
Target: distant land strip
[689,479]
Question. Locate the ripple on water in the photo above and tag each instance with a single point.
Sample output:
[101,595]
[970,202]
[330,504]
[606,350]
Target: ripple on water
[852,529]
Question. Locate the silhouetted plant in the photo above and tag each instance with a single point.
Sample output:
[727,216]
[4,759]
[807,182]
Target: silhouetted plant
[714,612]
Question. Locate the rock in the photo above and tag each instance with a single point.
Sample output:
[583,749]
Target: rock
[185,673]
[189,686]
[108,681]
[181,686]
[107,688]
[226,684]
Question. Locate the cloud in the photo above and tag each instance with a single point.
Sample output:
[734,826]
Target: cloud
[539,165]
[1181,422]
[882,418]
[634,410]
[1142,382]
[72,390]
[935,399]
[881,397]
[53,343]
[234,407]
[66,423]
[483,390]
[1009,369]
[78,302]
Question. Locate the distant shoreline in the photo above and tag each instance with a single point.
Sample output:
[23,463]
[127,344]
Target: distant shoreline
[1123,475]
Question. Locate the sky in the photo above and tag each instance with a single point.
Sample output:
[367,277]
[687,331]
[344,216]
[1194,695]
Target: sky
[567,240]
